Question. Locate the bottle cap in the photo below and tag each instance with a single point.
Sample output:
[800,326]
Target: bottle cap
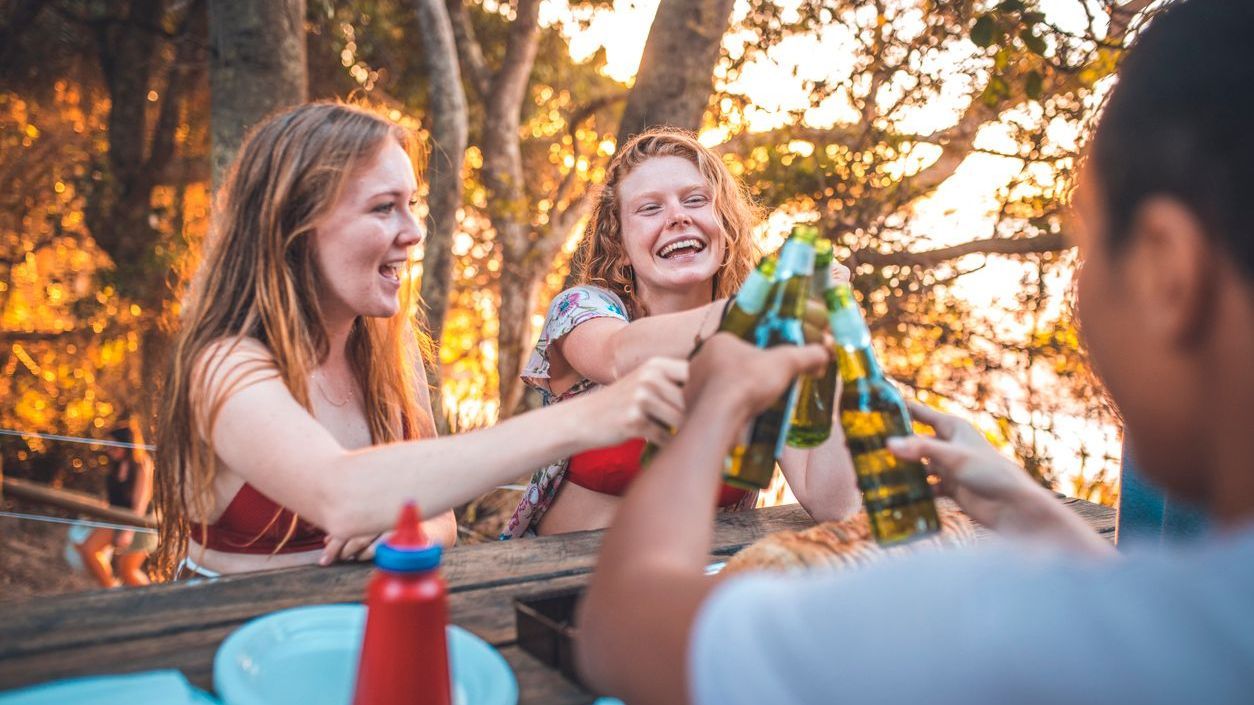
[408,549]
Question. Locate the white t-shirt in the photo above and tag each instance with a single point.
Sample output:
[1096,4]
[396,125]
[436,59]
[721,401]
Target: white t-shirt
[1001,624]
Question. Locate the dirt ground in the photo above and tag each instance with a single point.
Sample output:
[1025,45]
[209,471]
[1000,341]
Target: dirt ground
[32,555]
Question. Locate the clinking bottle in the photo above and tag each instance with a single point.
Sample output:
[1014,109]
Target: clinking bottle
[751,464]
[741,318]
[404,654]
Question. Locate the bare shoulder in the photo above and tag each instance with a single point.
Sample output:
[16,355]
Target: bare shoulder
[228,365]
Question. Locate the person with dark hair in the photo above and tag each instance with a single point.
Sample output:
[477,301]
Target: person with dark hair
[128,486]
[1050,614]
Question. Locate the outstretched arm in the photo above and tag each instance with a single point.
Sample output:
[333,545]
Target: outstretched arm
[605,349]
[264,435]
[649,583]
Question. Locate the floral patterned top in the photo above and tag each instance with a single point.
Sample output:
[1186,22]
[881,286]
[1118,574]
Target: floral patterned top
[569,309]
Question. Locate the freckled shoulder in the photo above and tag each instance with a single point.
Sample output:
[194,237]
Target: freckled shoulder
[225,367]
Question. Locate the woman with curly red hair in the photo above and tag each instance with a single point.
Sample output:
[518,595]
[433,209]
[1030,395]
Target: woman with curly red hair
[671,238]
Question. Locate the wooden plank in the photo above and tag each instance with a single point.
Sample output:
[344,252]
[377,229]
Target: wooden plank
[41,624]
[190,651]
[75,502]
[181,625]
[540,685]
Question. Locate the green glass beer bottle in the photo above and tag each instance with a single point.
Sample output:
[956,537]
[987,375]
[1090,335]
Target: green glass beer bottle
[812,417]
[741,318]
[896,493]
[752,462]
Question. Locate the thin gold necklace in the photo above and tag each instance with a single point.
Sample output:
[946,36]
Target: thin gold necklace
[326,396]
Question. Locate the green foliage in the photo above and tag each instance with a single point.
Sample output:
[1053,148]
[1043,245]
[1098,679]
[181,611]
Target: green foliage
[866,176]
[863,176]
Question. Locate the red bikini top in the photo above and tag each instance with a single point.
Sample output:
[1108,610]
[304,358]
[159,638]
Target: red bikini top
[254,523]
[610,470]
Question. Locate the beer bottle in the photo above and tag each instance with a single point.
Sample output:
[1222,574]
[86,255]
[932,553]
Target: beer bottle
[752,462]
[741,318]
[896,493]
[812,417]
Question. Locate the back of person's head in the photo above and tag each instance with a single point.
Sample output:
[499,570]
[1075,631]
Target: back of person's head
[1166,294]
[1178,124]
[603,258]
[260,279]
[123,434]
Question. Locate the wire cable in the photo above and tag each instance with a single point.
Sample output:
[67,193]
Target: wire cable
[77,522]
[76,439]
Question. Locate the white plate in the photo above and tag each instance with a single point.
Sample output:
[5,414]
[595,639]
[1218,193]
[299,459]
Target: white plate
[308,656]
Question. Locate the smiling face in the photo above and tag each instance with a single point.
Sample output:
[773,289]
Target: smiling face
[670,230]
[362,244]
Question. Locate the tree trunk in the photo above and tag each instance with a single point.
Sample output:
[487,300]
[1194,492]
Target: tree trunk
[257,67]
[518,296]
[676,72]
[118,213]
[509,211]
[448,126]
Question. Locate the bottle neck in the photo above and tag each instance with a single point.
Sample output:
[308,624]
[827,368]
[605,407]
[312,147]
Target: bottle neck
[793,297]
[854,353]
[796,266]
[753,293]
[857,363]
[797,257]
[822,280]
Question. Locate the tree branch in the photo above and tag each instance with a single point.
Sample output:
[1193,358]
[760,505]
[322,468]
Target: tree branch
[571,178]
[510,81]
[469,52]
[745,142]
[1051,242]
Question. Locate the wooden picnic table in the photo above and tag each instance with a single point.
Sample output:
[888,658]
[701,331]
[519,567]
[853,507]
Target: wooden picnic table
[180,625]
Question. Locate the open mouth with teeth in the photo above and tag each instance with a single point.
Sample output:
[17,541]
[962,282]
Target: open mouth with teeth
[687,246]
[391,271]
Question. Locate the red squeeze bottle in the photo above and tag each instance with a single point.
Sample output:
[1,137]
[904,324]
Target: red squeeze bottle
[404,655]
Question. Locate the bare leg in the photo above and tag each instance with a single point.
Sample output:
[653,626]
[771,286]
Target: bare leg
[131,568]
[91,551]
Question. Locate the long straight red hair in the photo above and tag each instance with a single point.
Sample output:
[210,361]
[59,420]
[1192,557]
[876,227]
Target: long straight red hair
[258,280]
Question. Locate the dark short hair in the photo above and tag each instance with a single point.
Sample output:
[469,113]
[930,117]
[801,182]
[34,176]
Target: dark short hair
[122,434]
[1180,122]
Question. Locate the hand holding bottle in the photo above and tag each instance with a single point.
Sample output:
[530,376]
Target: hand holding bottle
[988,486]
[645,404]
[743,379]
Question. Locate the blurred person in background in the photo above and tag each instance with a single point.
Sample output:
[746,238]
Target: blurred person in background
[116,556]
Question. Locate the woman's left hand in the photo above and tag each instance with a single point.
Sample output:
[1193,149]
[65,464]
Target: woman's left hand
[360,548]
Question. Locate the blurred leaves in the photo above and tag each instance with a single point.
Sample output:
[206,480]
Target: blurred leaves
[1015,88]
